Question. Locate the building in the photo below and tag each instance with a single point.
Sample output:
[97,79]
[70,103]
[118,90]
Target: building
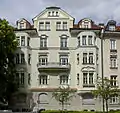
[55,52]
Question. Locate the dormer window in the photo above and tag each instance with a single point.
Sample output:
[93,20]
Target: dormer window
[112,28]
[53,14]
[86,24]
[21,25]
[49,13]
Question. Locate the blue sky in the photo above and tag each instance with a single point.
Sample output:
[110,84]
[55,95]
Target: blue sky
[97,10]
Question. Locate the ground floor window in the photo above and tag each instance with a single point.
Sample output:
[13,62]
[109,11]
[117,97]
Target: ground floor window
[114,99]
[64,79]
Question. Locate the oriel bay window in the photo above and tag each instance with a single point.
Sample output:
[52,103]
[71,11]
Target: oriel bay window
[43,59]
[89,40]
[22,40]
[84,40]
[88,79]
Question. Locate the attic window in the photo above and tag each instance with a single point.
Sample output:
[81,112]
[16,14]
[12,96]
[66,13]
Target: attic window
[49,13]
[21,25]
[86,24]
[112,28]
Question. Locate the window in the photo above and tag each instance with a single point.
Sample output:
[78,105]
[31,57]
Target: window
[83,40]
[43,59]
[29,59]
[112,44]
[29,79]
[63,79]
[21,25]
[22,78]
[113,61]
[22,59]
[84,58]
[77,58]
[85,81]
[53,13]
[63,59]
[64,25]
[41,25]
[113,79]
[43,80]
[28,41]
[88,79]
[63,42]
[86,25]
[22,40]
[56,13]
[47,25]
[114,99]
[17,59]
[78,79]
[18,40]
[89,40]
[49,13]
[43,42]
[90,58]
[78,41]
[58,25]
[111,27]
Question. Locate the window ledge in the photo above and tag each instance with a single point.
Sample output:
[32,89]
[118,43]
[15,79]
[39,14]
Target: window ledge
[113,67]
[61,29]
[43,48]
[88,85]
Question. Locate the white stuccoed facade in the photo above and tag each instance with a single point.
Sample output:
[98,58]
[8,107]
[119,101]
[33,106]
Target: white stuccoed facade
[53,51]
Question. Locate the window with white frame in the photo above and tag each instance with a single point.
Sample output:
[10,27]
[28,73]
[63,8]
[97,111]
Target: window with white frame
[58,25]
[113,61]
[90,58]
[22,40]
[86,24]
[43,79]
[18,40]
[43,42]
[89,40]
[63,59]
[112,44]
[22,58]
[114,99]
[63,42]
[47,25]
[64,25]
[64,79]
[113,80]
[83,40]
[21,25]
[41,25]
[88,78]
[111,27]
[84,58]
[43,59]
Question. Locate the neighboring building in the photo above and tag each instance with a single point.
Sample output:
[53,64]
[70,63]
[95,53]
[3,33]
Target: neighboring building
[55,52]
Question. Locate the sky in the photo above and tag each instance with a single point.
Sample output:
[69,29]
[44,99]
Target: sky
[100,11]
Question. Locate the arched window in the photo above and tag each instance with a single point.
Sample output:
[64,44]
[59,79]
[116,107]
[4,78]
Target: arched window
[43,98]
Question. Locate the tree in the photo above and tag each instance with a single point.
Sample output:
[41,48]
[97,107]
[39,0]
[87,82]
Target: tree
[8,45]
[106,90]
[63,95]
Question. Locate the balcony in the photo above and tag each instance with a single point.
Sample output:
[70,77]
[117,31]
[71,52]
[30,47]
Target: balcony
[53,66]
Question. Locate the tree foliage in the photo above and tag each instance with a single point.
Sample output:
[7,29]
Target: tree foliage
[63,95]
[105,89]
[8,45]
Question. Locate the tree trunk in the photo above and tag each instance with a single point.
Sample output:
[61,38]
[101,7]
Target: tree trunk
[106,105]
[62,107]
[103,105]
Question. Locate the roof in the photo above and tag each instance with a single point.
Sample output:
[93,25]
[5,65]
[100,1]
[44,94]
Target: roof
[52,7]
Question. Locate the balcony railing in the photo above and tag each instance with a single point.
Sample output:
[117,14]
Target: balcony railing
[53,65]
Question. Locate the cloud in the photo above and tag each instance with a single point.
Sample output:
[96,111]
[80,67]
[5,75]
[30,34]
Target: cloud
[97,10]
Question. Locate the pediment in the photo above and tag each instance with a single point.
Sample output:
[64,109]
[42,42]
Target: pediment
[88,68]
